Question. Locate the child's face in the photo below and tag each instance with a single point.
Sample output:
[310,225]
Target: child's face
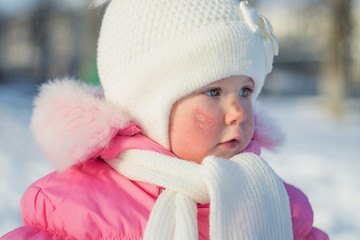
[214,120]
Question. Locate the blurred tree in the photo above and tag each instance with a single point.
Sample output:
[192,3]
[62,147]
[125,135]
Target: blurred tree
[40,20]
[2,26]
[92,25]
[90,74]
[335,68]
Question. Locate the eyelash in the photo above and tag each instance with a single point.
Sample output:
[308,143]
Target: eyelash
[210,91]
[215,92]
[248,90]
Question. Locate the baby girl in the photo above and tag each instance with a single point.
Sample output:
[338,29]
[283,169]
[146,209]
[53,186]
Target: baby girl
[169,146]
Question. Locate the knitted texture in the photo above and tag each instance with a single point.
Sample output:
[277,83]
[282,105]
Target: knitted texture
[257,203]
[153,52]
[247,199]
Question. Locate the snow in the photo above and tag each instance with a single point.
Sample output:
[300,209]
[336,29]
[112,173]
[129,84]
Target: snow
[21,160]
[321,156]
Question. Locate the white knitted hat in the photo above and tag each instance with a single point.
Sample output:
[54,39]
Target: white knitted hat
[153,52]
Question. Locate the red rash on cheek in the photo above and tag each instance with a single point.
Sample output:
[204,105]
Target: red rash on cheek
[203,121]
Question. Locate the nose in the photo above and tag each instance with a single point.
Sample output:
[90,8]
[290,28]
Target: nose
[235,112]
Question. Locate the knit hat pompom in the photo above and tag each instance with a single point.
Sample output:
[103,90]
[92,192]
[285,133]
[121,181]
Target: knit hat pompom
[151,53]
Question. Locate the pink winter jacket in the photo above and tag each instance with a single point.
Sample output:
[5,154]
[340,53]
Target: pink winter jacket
[87,199]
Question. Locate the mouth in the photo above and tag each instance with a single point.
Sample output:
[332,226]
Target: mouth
[231,144]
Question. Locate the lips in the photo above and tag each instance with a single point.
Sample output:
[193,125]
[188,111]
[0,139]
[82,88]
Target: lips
[231,144]
[232,140]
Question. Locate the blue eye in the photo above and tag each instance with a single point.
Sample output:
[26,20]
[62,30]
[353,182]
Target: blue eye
[245,92]
[213,92]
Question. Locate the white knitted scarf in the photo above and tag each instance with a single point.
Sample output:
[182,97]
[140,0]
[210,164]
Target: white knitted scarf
[248,200]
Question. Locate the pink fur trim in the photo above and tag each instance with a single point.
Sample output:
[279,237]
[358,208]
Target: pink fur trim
[71,121]
[267,133]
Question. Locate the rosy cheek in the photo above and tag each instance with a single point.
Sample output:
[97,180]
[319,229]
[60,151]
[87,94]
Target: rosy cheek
[203,121]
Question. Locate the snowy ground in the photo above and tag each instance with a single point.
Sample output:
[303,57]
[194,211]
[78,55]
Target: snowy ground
[321,156]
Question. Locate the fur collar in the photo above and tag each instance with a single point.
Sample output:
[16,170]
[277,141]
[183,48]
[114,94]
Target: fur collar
[71,121]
